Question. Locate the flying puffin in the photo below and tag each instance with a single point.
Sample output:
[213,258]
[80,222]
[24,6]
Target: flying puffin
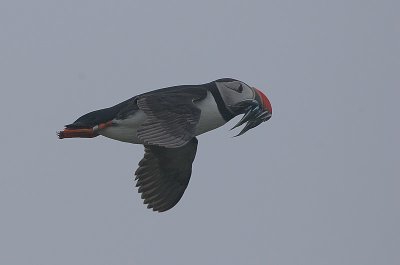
[166,121]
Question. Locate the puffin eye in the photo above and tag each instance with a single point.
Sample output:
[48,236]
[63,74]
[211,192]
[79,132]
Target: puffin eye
[233,85]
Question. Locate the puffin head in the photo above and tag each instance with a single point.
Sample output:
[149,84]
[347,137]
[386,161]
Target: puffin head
[240,98]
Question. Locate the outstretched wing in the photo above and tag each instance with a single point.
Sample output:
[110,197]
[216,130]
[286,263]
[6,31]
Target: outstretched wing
[171,116]
[164,173]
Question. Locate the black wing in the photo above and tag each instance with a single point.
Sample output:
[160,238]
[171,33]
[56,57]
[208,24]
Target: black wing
[164,173]
[171,116]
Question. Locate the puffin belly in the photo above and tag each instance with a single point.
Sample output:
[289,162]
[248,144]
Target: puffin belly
[125,130]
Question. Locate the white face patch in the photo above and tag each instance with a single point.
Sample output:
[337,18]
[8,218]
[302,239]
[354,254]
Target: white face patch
[233,92]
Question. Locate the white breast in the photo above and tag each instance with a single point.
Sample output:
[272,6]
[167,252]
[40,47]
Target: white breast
[210,116]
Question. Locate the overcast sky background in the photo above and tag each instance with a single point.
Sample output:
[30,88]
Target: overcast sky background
[317,184]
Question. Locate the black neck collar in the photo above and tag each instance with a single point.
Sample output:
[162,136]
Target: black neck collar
[226,114]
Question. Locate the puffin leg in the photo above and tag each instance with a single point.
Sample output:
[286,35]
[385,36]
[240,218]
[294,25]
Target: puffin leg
[77,133]
[83,132]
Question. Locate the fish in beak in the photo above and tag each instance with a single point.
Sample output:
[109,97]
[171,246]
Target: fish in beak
[255,111]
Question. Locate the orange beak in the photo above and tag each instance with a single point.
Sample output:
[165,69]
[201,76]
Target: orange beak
[265,101]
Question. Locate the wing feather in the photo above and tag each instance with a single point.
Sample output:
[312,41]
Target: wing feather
[171,117]
[164,173]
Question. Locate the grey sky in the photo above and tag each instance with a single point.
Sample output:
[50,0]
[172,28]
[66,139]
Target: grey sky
[317,184]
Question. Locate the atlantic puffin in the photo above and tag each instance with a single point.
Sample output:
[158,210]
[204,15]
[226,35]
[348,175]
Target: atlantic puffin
[166,121]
